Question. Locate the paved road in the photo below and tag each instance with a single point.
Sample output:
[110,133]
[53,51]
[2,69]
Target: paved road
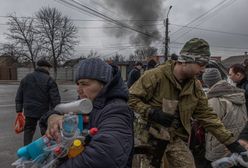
[9,141]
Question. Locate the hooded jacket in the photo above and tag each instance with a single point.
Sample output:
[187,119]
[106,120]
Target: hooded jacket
[112,146]
[243,84]
[228,102]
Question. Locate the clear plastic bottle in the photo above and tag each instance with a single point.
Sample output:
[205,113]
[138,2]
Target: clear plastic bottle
[82,106]
[69,125]
[68,134]
[76,148]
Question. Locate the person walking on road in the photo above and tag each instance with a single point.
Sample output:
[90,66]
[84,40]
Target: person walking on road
[134,74]
[37,93]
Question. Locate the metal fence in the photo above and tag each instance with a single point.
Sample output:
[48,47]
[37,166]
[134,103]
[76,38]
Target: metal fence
[8,73]
[63,73]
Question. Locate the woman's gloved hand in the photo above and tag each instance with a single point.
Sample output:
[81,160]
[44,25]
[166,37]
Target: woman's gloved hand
[235,147]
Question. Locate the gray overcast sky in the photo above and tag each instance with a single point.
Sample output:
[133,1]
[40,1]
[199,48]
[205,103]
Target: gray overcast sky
[224,26]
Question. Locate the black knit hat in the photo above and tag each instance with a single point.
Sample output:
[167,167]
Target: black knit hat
[94,68]
[44,63]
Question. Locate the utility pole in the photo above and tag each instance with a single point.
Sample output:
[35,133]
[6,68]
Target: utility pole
[166,35]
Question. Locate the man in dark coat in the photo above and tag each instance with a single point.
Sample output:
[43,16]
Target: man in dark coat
[112,146]
[134,74]
[37,93]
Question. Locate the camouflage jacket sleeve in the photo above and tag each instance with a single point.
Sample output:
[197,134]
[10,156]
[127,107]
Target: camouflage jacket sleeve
[210,121]
[141,92]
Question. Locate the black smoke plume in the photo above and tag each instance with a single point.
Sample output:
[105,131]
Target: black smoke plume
[142,15]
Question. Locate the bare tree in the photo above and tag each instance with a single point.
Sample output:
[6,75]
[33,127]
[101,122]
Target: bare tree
[93,54]
[142,53]
[10,50]
[131,57]
[23,38]
[118,58]
[58,34]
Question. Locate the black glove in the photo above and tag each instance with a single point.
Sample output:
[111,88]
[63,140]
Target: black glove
[235,147]
[161,117]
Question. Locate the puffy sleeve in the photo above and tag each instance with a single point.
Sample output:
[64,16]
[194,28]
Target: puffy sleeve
[210,121]
[141,92]
[112,146]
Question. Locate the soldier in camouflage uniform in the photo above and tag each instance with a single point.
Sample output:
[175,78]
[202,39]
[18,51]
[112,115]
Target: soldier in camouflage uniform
[166,98]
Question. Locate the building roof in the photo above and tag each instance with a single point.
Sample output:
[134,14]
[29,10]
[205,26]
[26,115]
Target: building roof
[72,62]
[234,60]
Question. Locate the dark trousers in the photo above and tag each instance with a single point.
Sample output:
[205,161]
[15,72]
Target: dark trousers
[29,129]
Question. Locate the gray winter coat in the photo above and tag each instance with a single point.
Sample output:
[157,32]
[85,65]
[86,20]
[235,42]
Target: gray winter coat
[228,102]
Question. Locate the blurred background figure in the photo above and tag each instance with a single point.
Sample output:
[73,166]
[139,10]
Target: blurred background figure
[174,56]
[238,76]
[134,74]
[245,64]
[151,64]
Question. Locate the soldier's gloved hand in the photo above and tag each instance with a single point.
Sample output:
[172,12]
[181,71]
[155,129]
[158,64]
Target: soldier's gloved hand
[235,147]
[160,117]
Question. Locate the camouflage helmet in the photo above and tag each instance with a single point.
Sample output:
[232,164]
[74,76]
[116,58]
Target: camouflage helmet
[195,50]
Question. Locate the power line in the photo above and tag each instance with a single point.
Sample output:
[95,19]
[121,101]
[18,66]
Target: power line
[148,25]
[190,27]
[214,8]
[106,27]
[98,20]
[212,30]
[136,20]
[99,14]
[103,7]
[108,18]
[214,46]
[202,15]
